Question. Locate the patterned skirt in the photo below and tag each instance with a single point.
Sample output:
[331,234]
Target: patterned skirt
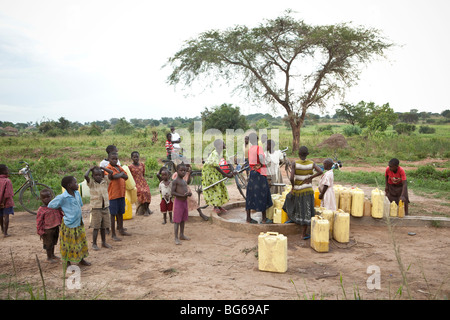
[300,207]
[217,195]
[258,195]
[73,243]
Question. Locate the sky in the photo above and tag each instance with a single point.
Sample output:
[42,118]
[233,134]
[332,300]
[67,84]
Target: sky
[97,60]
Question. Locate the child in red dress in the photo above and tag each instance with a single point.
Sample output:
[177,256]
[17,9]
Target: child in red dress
[48,221]
[144,197]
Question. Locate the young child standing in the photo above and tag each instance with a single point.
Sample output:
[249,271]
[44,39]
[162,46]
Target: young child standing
[100,217]
[109,149]
[116,194]
[73,244]
[169,146]
[326,184]
[48,221]
[144,197]
[299,203]
[181,211]
[165,189]
[6,199]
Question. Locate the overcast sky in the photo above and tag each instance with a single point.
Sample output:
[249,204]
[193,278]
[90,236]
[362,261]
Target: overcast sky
[97,60]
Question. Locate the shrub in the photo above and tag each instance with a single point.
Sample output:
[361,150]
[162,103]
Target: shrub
[404,128]
[426,129]
[352,131]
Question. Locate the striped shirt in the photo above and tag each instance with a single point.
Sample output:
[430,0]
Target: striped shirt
[303,170]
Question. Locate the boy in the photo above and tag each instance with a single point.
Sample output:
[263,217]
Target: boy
[326,186]
[180,204]
[100,217]
[6,199]
[396,184]
[116,194]
[48,221]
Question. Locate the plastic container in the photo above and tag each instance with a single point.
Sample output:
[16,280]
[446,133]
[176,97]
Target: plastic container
[130,184]
[377,198]
[317,201]
[279,216]
[345,200]
[278,203]
[85,191]
[128,210]
[320,234]
[272,252]
[329,215]
[131,195]
[401,209]
[393,210]
[386,206]
[357,202]
[367,208]
[341,226]
[337,192]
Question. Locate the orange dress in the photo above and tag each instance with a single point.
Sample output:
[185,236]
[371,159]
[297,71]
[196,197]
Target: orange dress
[143,190]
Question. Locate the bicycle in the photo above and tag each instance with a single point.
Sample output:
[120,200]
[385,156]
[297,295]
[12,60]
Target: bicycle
[29,191]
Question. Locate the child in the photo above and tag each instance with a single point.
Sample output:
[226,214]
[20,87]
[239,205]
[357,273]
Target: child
[109,149]
[116,194]
[169,146]
[326,186]
[100,217]
[396,184]
[73,244]
[144,197]
[273,159]
[48,221]
[6,199]
[165,189]
[299,203]
[180,212]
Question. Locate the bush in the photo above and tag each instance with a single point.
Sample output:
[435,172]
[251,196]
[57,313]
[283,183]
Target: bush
[404,128]
[426,129]
[352,131]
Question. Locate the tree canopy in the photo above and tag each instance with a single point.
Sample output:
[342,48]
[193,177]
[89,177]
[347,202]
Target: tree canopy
[283,61]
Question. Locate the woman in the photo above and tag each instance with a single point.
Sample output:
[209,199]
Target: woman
[258,195]
[216,195]
[299,203]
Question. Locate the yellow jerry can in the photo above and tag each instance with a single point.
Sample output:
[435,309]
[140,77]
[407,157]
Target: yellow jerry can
[279,216]
[320,234]
[329,215]
[357,202]
[345,200]
[278,203]
[393,212]
[317,201]
[337,193]
[377,198]
[128,210]
[130,184]
[367,208]
[341,226]
[401,209]
[272,252]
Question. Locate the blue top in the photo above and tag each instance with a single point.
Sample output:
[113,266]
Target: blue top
[71,206]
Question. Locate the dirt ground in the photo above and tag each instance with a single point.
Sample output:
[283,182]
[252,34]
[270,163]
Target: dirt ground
[218,263]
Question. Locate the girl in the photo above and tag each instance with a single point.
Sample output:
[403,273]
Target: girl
[299,203]
[144,197]
[258,195]
[6,199]
[73,243]
[326,186]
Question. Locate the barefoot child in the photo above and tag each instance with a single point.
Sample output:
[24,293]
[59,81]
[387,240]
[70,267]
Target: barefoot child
[100,217]
[144,197]
[73,244]
[165,189]
[326,187]
[6,199]
[180,212]
[396,183]
[48,221]
[116,194]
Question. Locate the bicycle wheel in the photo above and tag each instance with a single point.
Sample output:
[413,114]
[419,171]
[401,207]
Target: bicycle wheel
[29,197]
[241,182]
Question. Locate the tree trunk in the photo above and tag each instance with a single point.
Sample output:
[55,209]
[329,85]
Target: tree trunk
[295,126]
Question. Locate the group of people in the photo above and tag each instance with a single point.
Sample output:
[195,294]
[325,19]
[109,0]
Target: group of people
[61,217]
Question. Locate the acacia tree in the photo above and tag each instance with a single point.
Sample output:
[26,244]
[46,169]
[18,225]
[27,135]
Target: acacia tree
[281,62]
